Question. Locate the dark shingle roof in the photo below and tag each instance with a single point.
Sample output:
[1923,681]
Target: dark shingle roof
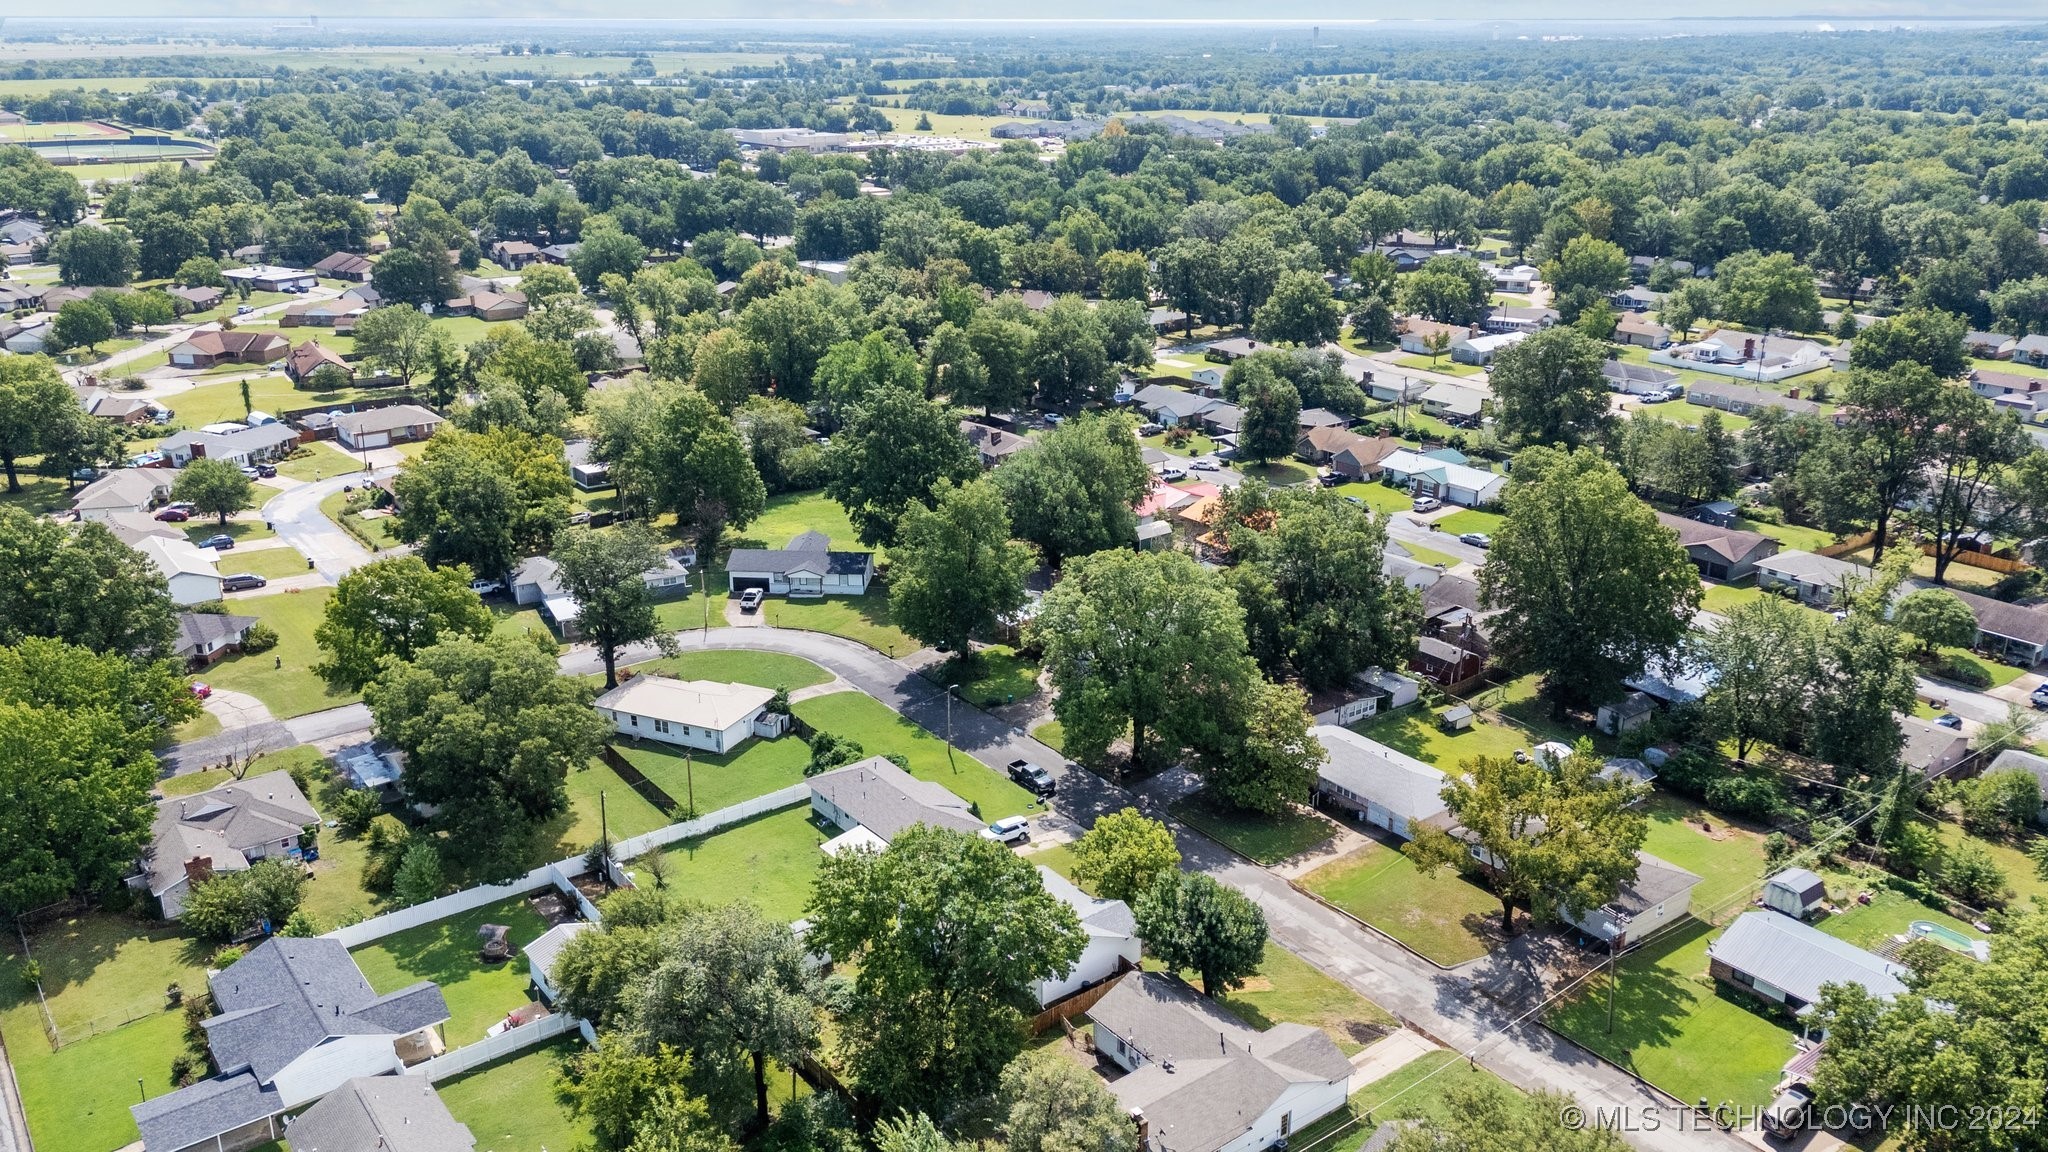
[289,995]
[204,1110]
[381,1114]
[199,629]
[809,552]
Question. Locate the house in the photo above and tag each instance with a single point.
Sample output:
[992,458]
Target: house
[271,278]
[1451,612]
[346,266]
[1658,894]
[188,572]
[514,254]
[1638,330]
[1415,333]
[22,230]
[1164,320]
[1931,749]
[1036,300]
[1445,661]
[1320,418]
[2031,350]
[993,445]
[383,427]
[1345,452]
[1742,399]
[125,410]
[1637,380]
[807,567]
[132,490]
[194,838]
[1989,345]
[1112,933]
[207,349]
[1519,318]
[1395,388]
[559,253]
[309,357]
[1783,961]
[487,305]
[538,580]
[587,474]
[1198,1080]
[1626,714]
[1383,787]
[381,1114]
[707,715]
[204,637]
[2014,760]
[241,446]
[1234,349]
[1719,553]
[296,1021]
[340,314]
[1635,299]
[1994,385]
[545,950]
[25,338]
[199,299]
[1424,474]
[1481,350]
[1453,402]
[1796,892]
[872,801]
[1745,355]
[1518,279]
[1815,579]
[2011,632]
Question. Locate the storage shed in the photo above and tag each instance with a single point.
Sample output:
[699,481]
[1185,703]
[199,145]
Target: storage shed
[1797,892]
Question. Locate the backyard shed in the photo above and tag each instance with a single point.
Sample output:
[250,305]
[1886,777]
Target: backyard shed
[1797,892]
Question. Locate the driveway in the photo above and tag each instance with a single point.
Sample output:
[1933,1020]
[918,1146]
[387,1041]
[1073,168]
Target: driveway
[297,520]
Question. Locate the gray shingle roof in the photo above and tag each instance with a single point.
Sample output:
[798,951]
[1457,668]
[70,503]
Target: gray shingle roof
[1799,959]
[204,1110]
[197,630]
[223,825]
[2012,759]
[1370,770]
[381,1114]
[289,995]
[808,552]
[1655,882]
[885,799]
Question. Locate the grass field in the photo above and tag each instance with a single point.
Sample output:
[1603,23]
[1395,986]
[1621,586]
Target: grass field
[1723,597]
[1266,839]
[1416,732]
[269,563]
[318,461]
[1289,990]
[881,732]
[1471,520]
[1444,916]
[768,861]
[512,1105]
[714,782]
[1378,497]
[1887,915]
[792,514]
[862,619]
[283,677]
[1443,365]
[1729,860]
[445,951]
[221,402]
[765,669]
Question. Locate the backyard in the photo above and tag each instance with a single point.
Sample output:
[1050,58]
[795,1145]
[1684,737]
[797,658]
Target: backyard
[222,402]
[445,952]
[1378,497]
[768,860]
[512,1105]
[881,732]
[792,514]
[283,678]
[1267,839]
[1442,915]
[1729,860]
[708,782]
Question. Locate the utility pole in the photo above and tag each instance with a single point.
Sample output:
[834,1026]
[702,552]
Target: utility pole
[704,598]
[1610,980]
[690,779]
[604,837]
[949,723]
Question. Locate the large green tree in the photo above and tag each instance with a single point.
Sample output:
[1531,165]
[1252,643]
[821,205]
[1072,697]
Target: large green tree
[1122,853]
[604,570]
[1865,682]
[1272,415]
[1300,311]
[484,499]
[395,607]
[37,410]
[1925,336]
[694,463]
[82,586]
[1447,289]
[1048,1103]
[1071,490]
[397,339]
[1589,585]
[1885,443]
[214,488]
[895,450]
[1549,389]
[1192,923]
[1764,653]
[946,933]
[954,571]
[1583,273]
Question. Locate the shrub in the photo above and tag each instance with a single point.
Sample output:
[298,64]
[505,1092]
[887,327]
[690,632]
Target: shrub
[1914,850]
[31,973]
[385,845]
[259,638]
[355,810]
[1971,875]
[224,957]
[187,1068]
[1961,669]
[829,752]
[1999,801]
[1746,794]
[419,877]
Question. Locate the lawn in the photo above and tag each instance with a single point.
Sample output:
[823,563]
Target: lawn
[1728,859]
[39,495]
[1999,671]
[763,669]
[1443,916]
[861,619]
[1281,473]
[1887,915]
[317,461]
[1416,732]
[1471,520]
[768,860]
[1722,598]
[1195,445]
[1675,1028]
[699,606]
[1266,839]
[1444,365]
[1289,990]
[1423,555]
[283,678]
[445,951]
[1378,497]
[1793,536]
[76,1098]
[1052,734]
[1001,675]
[625,813]
[714,782]
[1416,1090]
[269,563]
[511,1105]
[793,514]
[241,531]
[2012,858]
[514,619]
[222,402]
[1688,415]
[881,732]
[373,532]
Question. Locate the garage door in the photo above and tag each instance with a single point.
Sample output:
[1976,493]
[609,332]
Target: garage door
[742,583]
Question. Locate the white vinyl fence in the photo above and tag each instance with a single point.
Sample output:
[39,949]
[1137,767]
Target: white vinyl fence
[711,822]
[492,1047]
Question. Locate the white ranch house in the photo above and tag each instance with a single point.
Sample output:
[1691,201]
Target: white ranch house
[707,715]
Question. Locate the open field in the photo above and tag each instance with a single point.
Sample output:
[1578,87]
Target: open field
[768,861]
[220,402]
[1728,859]
[512,1105]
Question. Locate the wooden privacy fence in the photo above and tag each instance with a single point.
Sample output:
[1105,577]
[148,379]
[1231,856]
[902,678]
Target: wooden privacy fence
[1849,544]
[1080,1002]
[1984,560]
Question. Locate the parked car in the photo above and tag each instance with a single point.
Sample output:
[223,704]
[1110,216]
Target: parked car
[201,689]
[1172,472]
[1427,504]
[252,472]
[242,582]
[1009,830]
[750,600]
[1476,539]
[486,587]
[86,473]
[266,471]
[219,542]
[173,515]
[1207,465]
[1787,1115]
[1949,720]
[1150,429]
[2040,697]
[243,310]
[1331,479]
[1031,776]
[580,516]
[1054,419]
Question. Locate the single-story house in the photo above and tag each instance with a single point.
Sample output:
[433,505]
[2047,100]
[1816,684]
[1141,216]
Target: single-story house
[1345,451]
[542,953]
[1635,298]
[1636,379]
[1636,329]
[1742,399]
[1931,749]
[1451,612]
[346,266]
[339,313]
[992,445]
[383,427]
[707,715]
[1112,933]
[1386,788]
[808,566]
[1164,404]
[559,253]
[309,357]
[487,305]
[27,337]
[204,637]
[206,349]
[1816,579]
[1415,331]
[2031,350]
[22,230]
[194,838]
[130,490]
[198,299]
[1320,418]
[1392,387]
[381,1114]
[1426,475]
[296,1021]
[1988,345]
[2009,631]
[1453,402]
[1795,892]
[1783,961]
[538,580]
[1519,318]
[1233,349]
[189,572]
[1197,1079]
[1995,385]
[873,800]
[241,446]
[1518,279]
[271,278]
[1745,355]
[124,410]
[1164,320]
[1482,349]
[1719,553]
[1659,893]
[2014,760]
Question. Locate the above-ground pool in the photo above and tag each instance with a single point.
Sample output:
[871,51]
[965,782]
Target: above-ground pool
[1949,938]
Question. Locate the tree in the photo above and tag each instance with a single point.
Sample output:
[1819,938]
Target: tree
[1864,684]
[1764,654]
[1051,1104]
[81,586]
[484,499]
[2001,803]
[199,272]
[1687,305]
[894,452]
[1479,1114]
[954,570]
[1300,311]
[1448,289]
[1147,641]
[37,411]
[490,732]
[1589,584]
[1889,440]
[1773,291]
[1191,923]
[603,571]
[1546,835]
[732,989]
[1071,356]
[151,309]
[397,339]
[1120,856]
[606,250]
[82,324]
[1071,490]
[599,973]
[395,607]
[1005,348]
[1923,336]
[925,1028]
[416,276]
[214,488]
[1272,415]
[619,1088]
[1971,478]
[1123,276]
[419,877]
[1265,759]
[695,464]
[1583,274]
[1936,618]
[1550,390]
[854,370]
[90,255]
[227,904]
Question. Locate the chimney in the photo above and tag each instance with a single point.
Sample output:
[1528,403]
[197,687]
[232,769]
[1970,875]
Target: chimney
[198,870]
[1144,1128]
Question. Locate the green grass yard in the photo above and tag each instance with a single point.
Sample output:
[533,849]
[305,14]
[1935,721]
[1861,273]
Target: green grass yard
[882,732]
[1289,990]
[1728,859]
[1195,445]
[768,861]
[760,767]
[1415,1091]
[1281,473]
[1999,671]
[318,461]
[793,514]
[862,619]
[1471,520]
[1887,915]
[765,669]
[445,951]
[374,532]
[222,402]
[283,678]
[241,531]
[1263,838]
[1423,555]
[39,495]
[1052,734]
[1443,364]
[1000,675]
[513,1105]
[1378,497]
[269,563]
[1725,597]
[1443,916]
[2027,884]
[1416,732]
[625,813]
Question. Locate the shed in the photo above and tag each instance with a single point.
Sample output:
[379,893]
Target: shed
[1626,714]
[1797,892]
[1456,719]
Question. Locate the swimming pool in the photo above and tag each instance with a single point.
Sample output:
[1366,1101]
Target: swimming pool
[1948,938]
